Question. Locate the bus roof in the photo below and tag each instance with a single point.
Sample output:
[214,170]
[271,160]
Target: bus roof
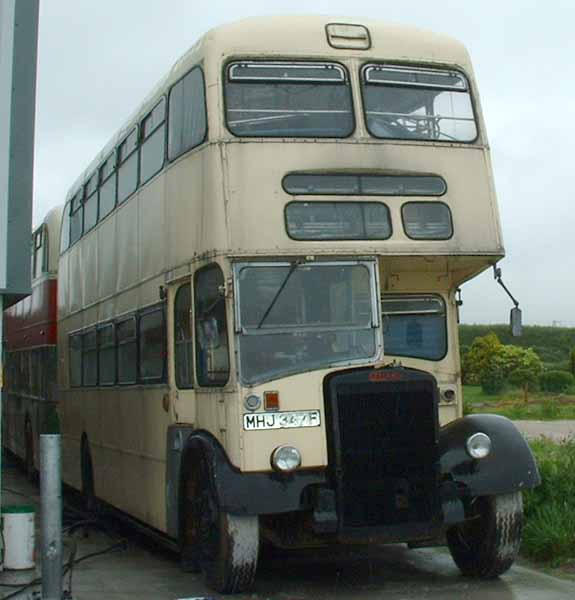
[295,36]
[306,35]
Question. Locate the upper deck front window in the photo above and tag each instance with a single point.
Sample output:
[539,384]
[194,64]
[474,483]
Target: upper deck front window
[278,99]
[418,104]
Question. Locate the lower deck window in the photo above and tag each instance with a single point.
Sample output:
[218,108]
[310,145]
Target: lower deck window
[152,345]
[106,355]
[75,360]
[415,326]
[338,221]
[89,359]
[127,351]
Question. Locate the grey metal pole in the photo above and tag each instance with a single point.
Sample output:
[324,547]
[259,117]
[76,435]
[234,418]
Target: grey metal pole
[51,514]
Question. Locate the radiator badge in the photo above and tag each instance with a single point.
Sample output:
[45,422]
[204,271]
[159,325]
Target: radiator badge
[386,376]
[282,420]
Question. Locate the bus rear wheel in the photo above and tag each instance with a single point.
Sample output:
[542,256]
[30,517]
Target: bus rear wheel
[224,546]
[88,488]
[487,544]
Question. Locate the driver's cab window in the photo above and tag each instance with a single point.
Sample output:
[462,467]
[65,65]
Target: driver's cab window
[212,356]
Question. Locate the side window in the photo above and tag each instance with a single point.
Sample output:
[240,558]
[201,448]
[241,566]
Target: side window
[89,358]
[91,202]
[75,359]
[76,217]
[65,230]
[106,355]
[128,166]
[108,186]
[415,326]
[153,145]
[127,351]
[38,252]
[187,114]
[152,346]
[212,357]
[183,337]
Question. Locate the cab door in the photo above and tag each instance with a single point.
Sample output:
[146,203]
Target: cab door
[182,396]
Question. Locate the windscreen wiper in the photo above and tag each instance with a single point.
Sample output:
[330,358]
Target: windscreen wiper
[294,265]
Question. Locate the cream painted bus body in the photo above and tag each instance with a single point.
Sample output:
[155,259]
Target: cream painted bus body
[223,202]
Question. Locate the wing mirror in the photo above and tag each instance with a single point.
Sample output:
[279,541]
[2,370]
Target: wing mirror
[515,318]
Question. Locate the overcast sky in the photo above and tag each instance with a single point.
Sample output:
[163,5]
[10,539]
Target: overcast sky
[97,60]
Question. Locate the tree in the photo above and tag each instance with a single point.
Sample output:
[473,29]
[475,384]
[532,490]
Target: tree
[513,364]
[572,362]
[477,358]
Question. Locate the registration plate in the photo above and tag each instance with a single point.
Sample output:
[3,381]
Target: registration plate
[282,420]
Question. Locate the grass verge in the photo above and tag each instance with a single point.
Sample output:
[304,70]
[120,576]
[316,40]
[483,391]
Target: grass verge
[511,404]
[549,531]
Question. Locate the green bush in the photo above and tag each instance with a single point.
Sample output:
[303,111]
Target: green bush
[549,532]
[556,381]
[492,383]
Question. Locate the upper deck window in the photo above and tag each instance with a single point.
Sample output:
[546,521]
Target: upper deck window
[108,186]
[128,166]
[278,99]
[338,221]
[39,251]
[427,220]
[418,104]
[187,114]
[343,184]
[154,142]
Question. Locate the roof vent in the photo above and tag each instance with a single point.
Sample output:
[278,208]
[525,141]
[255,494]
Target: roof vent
[349,37]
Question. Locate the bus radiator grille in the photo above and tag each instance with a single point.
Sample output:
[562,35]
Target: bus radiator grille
[384,447]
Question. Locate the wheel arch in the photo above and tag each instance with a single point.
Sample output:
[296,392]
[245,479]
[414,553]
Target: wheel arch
[237,493]
[509,467]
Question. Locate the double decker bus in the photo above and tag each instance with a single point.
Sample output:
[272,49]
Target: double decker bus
[257,311]
[29,394]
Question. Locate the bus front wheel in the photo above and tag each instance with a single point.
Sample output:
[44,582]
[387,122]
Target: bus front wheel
[487,543]
[224,546]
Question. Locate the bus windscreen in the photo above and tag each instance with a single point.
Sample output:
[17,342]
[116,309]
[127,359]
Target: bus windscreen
[270,99]
[300,317]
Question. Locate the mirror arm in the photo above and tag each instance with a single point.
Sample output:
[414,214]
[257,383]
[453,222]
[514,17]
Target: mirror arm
[497,275]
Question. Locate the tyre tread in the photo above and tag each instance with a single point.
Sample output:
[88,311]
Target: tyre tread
[495,552]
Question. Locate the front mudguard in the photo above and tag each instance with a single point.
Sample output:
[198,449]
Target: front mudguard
[508,468]
[237,493]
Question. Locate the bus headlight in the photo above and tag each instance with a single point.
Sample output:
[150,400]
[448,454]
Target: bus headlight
[478,445]
[286,459]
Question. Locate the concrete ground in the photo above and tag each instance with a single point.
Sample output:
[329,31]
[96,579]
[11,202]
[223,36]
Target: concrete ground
[143,571]
[555,430]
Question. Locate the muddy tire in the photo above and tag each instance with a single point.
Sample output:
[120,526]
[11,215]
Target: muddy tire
[487,544]
[29,466]
[233,567]
[224,547]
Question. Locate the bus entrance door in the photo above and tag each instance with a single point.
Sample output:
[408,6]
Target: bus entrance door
[182,396]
